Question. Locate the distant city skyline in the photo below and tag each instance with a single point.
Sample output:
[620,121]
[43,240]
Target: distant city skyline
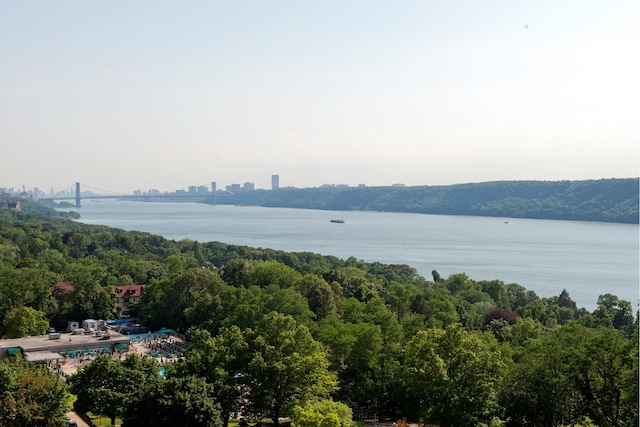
[143,95]
[191,188]
[88,190]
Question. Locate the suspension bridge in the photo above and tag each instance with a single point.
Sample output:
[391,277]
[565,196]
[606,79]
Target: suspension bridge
[74,192]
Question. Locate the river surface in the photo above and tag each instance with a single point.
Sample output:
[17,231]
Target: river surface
[587,259]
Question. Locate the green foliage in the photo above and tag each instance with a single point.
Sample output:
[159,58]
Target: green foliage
[571,372]
[168,302]
[272,273]
[321,297]
[235,272]
[218,360]
[24,321]
[614,312]
[30,395]
[582,422]
[324,413]
[271,331]
[287,367]
[106,385]
[356,354]
[177,401]
[611,200]
[454,376]
[30,207]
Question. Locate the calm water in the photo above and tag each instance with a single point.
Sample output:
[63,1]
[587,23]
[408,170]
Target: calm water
[586,258]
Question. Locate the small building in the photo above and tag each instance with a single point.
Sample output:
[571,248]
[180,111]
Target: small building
[72,326]
[90,325]
[129,294]
[12,205]
[44,349]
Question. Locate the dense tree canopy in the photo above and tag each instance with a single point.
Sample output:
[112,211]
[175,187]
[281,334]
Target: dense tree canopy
[30,395]
[221,362]
[25,321]
[276,334]
[323,413]
[287,367]
[612,200]
[106,385]
[454,376]
[177,401]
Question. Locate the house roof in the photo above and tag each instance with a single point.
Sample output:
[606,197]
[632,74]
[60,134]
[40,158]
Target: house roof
[130,291]
[60,288]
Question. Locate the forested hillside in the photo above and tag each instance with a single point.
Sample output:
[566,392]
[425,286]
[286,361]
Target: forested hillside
[611,200]
[315,338]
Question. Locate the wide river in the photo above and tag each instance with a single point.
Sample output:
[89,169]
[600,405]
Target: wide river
[587,259]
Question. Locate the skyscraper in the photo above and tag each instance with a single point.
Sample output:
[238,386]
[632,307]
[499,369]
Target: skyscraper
[275,182]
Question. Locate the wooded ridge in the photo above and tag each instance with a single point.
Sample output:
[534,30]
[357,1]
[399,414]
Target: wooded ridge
[608,200]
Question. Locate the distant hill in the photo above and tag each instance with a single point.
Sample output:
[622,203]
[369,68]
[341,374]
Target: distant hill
[42,207]
[609,200]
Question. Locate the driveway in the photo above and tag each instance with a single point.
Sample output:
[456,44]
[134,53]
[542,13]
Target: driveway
[77,419]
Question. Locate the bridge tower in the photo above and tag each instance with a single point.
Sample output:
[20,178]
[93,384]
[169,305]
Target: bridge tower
[77,195]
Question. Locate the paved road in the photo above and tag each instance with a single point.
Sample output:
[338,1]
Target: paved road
[77,419]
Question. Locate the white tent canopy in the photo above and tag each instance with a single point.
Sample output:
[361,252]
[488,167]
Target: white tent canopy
[41,356]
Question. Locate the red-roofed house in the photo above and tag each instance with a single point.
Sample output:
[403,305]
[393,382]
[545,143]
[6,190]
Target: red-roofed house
[61,288]
[129,294]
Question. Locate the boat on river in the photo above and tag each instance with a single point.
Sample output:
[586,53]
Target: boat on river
[337,221]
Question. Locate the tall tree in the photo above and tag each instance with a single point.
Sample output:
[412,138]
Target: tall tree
[454,376]
[173,402]
[165,301]
[272,273]
[321,297]
[23,321]
[220,361]
[287,367]
[89,298]
[575,371]
[324,413]
[355,353]
[614,312]
[30,395]
[106,385]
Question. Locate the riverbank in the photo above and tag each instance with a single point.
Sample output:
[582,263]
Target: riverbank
[587,259]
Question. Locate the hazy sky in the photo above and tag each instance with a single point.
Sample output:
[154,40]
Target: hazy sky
[125,95]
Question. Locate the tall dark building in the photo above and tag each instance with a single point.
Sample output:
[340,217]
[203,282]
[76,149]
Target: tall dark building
[275,182]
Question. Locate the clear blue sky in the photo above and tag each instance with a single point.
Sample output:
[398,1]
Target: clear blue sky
[126,95]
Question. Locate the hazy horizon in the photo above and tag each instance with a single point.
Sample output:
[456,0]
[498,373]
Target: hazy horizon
[70,189]
[160,95]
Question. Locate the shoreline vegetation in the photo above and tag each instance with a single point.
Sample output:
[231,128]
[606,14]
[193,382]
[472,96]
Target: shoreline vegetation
[307,337]
[614,200]
[608,200]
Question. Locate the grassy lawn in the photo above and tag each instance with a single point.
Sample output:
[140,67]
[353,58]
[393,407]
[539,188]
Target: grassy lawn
[100,420]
